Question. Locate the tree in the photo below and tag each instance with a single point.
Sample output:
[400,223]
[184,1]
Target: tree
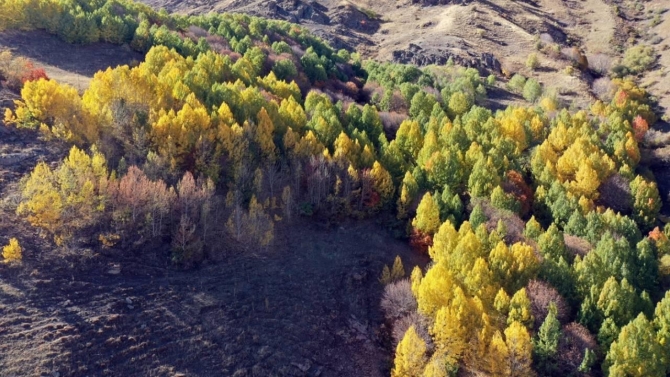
[520,349]
[477,216]
[459,104]
[69,198]
[546,342]
[636,352]
[398,270]
[661,324]
[382,183]
[483,179]
[498,358]
[264,137]
[410,356]
[532,62]
[427,218]
[646,202]
[533,229]
[12,252]
[519,309]
[450,333]
[408,192]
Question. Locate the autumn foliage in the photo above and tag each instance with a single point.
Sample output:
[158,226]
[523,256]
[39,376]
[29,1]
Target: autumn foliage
[233,126]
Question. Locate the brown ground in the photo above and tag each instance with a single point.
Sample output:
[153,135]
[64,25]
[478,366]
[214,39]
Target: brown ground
[71,64]
[659,36]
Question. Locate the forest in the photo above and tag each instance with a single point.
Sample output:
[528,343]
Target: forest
[547,255]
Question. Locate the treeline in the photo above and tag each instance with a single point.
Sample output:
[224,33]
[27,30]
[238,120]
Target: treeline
[541,226]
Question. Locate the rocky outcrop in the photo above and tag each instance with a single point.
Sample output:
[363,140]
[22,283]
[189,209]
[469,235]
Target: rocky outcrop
[298,11]
[414,54]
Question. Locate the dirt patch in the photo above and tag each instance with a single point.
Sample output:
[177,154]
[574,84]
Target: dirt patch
[70,64]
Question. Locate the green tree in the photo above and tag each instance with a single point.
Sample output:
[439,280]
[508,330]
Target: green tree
[546,343]
[636,352]
[477,216]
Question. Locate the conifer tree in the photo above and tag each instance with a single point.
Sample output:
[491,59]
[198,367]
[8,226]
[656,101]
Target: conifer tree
[546,343]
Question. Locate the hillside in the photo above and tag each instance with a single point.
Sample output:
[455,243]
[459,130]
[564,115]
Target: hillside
[431,188]
[491,35]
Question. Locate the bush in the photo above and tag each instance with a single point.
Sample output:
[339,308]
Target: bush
[415,319]
[517,83]
[13,251]
[572,346]
[600,63]
[397,300]
[604,89]
[532,90]
[639,58]
[541,294]
[532,62]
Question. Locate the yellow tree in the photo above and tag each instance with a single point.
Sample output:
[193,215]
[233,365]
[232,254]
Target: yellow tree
[12,252]
[410,356]
[519,309]
[435,290]
[427,218]
[498,357]
[520,349]
[382,183]
[444,242]
[264,136]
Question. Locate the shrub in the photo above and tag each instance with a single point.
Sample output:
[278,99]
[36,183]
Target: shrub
[604,89]
[615,193]
[517,82]
[572,347]
[12,252]
[532,90]
[532,62]
[639,58]
[600,63]
[541,294]
[397,300]
[413,319]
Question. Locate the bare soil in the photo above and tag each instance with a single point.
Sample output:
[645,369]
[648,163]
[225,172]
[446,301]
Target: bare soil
[67,63]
